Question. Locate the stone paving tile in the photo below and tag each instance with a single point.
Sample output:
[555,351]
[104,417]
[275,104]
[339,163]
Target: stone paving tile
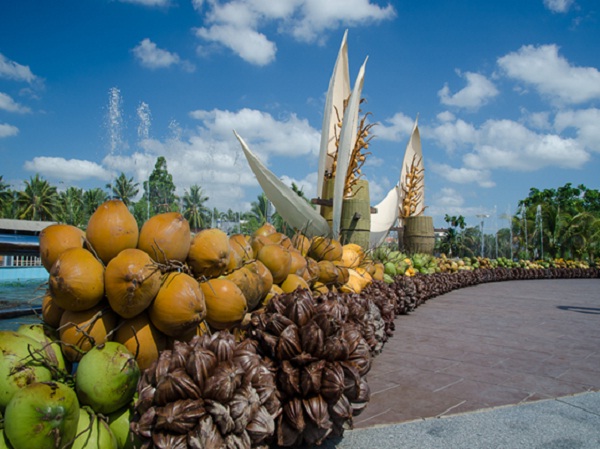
[485,346]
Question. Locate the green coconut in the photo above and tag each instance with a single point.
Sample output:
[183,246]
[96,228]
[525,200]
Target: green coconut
[23,361]
[107,377]
[93,432]
[43,415]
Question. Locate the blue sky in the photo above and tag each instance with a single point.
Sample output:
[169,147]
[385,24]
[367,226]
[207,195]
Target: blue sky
[507,93]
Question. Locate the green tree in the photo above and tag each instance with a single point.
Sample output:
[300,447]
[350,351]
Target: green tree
[161,189]
[37,201]
[194,210]
[71,208]
[124,189]
[6,197]
[451,243]
[92,199]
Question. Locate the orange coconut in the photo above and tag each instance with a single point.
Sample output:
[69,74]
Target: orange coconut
[323,248]
[328,272]
[179,305]
[209,253]
[250,284]
[265,229]
[225,303]
[166,237]
[81,330]
[51,313]
[111,229]
[264,274]
[142,338]
[131,281]
[293,282]
[301,243]
[77,280]
[299,262]
[257,242]
[57,238]
[240,245]
[277,259]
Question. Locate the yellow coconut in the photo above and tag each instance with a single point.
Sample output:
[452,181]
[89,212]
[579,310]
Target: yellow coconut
[250,284]
[318,288]
[111,229]
[225,303]
[77,280]
[328,272]
[352,255]
[277,259]
[51,313]
[209,253]
[299,263]
[240,245]
[235,261]
[379,271]
[57,238]
[323,248]
[264,274]
[179,305]
[357,280]
[142,338]
[312,272]
[266,229]
[293,282]
[131,281]
[280,239]
[301,243]
[166,237]
[257,242]
[81,330]
[275,290]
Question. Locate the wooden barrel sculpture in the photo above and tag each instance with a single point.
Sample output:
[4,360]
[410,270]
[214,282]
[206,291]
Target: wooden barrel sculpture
[356,216]
[419,236]
[327,210]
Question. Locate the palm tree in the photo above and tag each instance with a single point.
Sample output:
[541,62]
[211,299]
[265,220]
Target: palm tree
[124,189]
[194,209]
[71,208]
[260,209]
[37,201]
[5,197]
[92,199]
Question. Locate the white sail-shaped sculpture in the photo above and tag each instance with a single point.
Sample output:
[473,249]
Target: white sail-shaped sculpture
[413,153]
[344,151]
[294,209]
[388,210]
[337,93]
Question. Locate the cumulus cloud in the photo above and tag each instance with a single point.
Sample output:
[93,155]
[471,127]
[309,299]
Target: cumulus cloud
[558,6]
[453,134]
[211,156]
[10,105]
[396,128]
[71,170]
[152,57]
[15,71]
[551,74]
[7,130]
[237,24]
[478,91]
[463,175]
[585,122]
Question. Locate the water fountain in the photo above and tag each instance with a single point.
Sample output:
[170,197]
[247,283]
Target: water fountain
[539,230]
[115,123]
[524,223]
[143,113]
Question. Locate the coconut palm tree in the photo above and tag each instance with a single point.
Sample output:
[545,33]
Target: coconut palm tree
[5,197]
[124,189]
[194,209]
[37,201]
[92,199]
[71,209]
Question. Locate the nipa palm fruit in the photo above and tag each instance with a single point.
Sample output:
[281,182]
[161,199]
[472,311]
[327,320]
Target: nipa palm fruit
[111,229]
[209,393]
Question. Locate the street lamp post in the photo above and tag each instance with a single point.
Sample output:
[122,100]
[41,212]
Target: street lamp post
[483,217]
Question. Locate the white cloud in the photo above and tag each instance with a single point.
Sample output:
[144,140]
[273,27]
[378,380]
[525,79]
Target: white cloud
[67,169]
[450,201]
[236,24]
[463,175]
[558,6]
[15,71]
[478,91]
[585,122]
[453,135]
[552,75]
[152,3]
[10,105]
[7,130]
[152,57]
[400,127]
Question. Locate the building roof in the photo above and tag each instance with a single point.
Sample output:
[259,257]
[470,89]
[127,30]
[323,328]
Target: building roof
[7,224]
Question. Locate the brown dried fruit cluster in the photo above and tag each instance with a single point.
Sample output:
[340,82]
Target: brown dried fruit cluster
[209,393]
[322,361]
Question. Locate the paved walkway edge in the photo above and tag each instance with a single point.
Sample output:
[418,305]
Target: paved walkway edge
[569,422]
